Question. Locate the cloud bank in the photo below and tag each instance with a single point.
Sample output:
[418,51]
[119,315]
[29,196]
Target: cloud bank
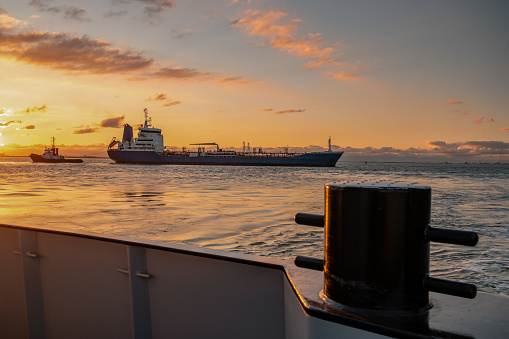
[63,51]
[434,151]
[85,55]
[469,148]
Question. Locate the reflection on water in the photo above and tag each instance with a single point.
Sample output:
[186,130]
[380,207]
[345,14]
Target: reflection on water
[149,200]
[251,209]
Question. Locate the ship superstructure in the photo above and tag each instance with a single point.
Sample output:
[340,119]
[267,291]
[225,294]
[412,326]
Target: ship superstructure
[148,148]
[149,138]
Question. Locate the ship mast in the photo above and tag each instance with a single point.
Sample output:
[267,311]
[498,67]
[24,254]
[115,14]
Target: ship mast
[148,121]
[53,148]
[330,147]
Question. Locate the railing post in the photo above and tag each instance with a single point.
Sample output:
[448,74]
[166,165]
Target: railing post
[30,261]
[140,298]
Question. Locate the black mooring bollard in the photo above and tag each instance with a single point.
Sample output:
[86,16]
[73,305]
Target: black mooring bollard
[376,255]
[377,252]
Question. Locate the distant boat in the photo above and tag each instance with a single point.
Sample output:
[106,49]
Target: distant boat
[148,148]
[51,155]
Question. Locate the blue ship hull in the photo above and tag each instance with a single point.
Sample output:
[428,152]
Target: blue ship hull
[316,159]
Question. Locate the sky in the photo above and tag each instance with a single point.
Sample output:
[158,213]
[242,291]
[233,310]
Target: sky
[386,80]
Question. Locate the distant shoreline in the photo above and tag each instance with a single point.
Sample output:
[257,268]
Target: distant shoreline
[342,161]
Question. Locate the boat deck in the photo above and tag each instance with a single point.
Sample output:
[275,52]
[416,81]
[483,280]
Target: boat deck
[71,284]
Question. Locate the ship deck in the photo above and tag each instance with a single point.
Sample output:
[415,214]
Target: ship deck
[64,284]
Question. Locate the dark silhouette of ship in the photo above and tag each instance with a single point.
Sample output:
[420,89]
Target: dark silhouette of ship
[148,148]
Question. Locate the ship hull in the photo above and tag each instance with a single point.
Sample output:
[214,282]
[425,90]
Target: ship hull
[38,158]
[318,159]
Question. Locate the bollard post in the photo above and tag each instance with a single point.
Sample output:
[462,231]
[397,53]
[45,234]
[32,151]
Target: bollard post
[377,251]
[376,256]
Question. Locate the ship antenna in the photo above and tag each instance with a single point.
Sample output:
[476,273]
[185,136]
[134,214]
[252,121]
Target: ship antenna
[330,148]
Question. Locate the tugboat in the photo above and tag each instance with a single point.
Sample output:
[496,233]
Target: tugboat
[51,155]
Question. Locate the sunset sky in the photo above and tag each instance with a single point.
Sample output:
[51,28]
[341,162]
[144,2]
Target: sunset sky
[404,78]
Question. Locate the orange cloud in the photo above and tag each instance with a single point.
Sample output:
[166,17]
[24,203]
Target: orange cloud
[280,33]
[86,130]
[66,52]
[8,123]
[112,122]
[190,74]
[235,80]
[179,73]
[266,110]
[504,130]
[461,112]
[35,109]
[158,97]
[343,76]
[319,63]
[290,111]
[172,103]
[7,22]
[265,24]
[156,6]
[481,119]
[452,101]
[163,97]
[28,127]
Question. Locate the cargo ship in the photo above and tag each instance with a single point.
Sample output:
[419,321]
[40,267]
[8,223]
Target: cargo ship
[51,155]
[148,148]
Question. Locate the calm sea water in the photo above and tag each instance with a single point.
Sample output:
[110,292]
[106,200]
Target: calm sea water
[251,209]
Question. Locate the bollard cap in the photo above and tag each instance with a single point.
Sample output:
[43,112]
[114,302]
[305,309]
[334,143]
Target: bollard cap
[375,184]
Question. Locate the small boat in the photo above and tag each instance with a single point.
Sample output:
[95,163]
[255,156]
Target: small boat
[51,155]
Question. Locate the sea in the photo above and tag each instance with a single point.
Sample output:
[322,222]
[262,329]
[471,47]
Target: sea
[250,209]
